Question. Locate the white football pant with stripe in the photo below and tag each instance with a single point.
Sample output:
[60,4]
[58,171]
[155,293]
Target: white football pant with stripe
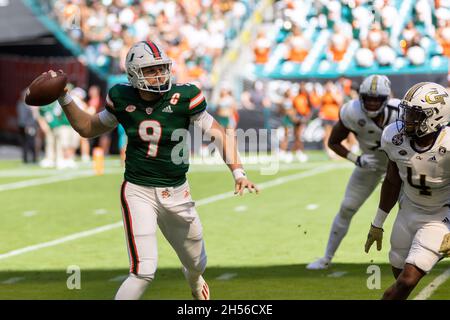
[172,209]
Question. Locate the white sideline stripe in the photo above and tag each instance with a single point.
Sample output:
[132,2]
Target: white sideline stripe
[38,182]
[89,173]
[273,183]
[28,173]
[55,242]
[87,233]
[429,289]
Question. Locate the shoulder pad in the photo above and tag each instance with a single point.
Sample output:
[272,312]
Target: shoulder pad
[393,103]
[392,136]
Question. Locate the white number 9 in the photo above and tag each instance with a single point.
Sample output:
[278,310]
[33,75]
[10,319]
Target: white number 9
[152,138]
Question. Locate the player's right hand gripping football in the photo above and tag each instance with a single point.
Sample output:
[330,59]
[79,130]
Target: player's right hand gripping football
[445,246]
[375,234]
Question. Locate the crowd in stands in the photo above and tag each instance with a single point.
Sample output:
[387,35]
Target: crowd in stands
[292,106]
[378,31]
[194,33]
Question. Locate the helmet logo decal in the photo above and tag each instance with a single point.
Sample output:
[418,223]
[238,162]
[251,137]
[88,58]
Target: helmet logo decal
[432,97]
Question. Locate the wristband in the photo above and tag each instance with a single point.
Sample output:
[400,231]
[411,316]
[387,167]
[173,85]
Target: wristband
[238,174]
[380,218]
[352,157]
[65,100]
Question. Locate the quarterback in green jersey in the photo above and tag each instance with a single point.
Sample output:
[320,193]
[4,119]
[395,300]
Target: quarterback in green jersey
[155,191]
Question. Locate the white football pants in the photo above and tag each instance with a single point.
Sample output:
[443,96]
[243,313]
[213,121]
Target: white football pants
[417,235]
[360,186]
[173,210]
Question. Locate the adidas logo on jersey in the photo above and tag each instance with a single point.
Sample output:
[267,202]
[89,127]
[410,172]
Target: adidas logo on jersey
[433,159]
[167,109]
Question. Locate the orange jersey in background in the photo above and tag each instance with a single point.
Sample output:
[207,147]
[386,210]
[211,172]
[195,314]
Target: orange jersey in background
[297,55]
[330,107]
[301,104]
[261,55]
[315,99]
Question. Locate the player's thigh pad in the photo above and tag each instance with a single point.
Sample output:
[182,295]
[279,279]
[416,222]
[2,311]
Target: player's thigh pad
[424,252]
[178,212]
[140,221]
[181,226]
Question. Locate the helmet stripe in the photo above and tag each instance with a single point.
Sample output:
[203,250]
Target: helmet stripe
[154,49]
[373,85]
[410,94]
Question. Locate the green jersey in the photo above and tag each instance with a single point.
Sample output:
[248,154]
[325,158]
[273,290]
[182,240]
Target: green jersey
[54,115]
[149,127]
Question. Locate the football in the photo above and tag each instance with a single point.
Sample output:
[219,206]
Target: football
[46,88]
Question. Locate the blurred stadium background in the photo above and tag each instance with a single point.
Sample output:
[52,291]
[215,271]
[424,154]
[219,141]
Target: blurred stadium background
[261,57]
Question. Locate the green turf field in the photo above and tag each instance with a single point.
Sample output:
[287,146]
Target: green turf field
[257,246]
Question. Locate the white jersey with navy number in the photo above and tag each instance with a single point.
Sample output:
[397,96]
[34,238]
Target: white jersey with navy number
[367,132]
[425,174]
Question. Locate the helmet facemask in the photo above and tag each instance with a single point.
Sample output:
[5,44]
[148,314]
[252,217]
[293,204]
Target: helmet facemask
[414,118]
[373,105]
[154,78]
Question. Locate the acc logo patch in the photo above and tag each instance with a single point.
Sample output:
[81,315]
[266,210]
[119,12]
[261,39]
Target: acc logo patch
[362,122]
[397,139]
[402,152]
[148,110]
[130,108]
[442,150]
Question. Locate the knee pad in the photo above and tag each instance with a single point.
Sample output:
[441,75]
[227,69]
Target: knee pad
[347,210]
[146,277]
[146,270]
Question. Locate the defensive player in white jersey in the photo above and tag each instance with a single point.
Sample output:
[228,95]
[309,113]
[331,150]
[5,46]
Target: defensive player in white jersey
[418,177]
[365,117]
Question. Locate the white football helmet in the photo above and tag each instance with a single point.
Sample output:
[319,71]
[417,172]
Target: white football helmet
[146,54]
[425,108]
[374,93]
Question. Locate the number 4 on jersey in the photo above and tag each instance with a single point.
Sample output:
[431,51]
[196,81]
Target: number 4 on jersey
[424,189]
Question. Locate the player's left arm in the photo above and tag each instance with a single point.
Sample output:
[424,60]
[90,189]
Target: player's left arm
[225,141]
